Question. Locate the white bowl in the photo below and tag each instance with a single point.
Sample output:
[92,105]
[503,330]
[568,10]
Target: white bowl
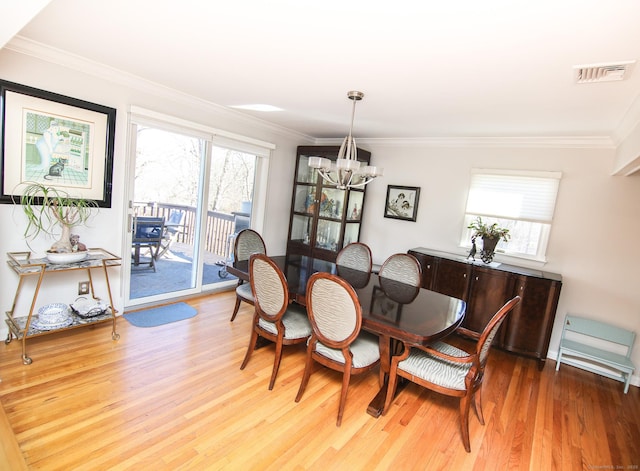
[55,313]
[66,257]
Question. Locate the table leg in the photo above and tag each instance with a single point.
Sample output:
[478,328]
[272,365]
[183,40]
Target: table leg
[376,406]
[388,347]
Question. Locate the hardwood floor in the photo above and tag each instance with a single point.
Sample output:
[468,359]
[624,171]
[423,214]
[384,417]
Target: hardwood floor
[173,397]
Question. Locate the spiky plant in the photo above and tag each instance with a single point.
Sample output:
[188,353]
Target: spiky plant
[47,207]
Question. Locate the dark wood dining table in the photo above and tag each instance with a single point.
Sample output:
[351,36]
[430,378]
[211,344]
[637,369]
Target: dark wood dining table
[390,309]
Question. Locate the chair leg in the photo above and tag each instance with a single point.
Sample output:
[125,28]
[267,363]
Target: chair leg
[235,309]
[478,405]
[252,346]
[346,377]
[276,364]
[308,369]
[465,403]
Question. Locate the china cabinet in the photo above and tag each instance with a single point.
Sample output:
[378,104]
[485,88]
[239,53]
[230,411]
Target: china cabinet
[486,288]
[323,218]
[27,325]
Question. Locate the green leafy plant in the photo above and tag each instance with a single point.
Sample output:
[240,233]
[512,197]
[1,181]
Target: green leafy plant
[490,231]
[48,207]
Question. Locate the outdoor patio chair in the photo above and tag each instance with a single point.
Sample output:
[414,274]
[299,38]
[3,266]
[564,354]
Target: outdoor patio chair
[147,233]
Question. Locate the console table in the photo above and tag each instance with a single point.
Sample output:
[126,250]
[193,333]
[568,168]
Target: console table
[22,263]
[486,287]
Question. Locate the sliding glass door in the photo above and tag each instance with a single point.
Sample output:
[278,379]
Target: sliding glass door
[201,193]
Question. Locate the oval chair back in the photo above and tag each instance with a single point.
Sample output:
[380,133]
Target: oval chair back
[402,267]
[269,287]
[356,256]
[334,310]
[247,243]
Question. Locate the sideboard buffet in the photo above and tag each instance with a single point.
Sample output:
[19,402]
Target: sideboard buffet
[486,287]
[23,326]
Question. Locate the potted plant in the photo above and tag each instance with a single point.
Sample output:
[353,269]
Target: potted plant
[47,208]
[490,235]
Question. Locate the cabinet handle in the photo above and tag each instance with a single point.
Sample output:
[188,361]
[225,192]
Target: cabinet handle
[464,276]
[477,278]
[428,267]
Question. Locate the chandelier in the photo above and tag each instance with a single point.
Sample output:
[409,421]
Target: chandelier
[346,173]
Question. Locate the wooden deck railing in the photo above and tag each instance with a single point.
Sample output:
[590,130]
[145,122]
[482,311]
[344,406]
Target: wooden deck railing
[219,226]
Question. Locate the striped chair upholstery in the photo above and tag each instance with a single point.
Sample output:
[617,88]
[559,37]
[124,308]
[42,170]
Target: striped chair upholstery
[337,341]
[356,256]
[276,318]
[450,370]
[246,244]
[402,267]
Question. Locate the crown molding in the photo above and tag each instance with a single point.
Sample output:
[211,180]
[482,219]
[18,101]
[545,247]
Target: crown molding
[27,47]
[22,45]
[565,142]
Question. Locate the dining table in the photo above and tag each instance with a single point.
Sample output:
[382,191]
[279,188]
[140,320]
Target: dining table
[394,311]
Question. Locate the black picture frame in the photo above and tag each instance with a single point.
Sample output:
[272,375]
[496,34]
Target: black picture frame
[55,140]
[402,202]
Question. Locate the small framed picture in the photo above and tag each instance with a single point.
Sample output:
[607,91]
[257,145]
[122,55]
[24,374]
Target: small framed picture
[402,202]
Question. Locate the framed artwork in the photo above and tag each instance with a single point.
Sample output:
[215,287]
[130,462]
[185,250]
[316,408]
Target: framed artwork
[57,141]
[402,202]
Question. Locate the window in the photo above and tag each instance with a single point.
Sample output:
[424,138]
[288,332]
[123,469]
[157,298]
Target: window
[521,201]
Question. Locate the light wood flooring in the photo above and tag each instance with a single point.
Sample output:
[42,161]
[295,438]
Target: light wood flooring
[173,398]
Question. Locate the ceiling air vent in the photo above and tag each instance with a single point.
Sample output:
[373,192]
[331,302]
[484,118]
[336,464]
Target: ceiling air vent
[603,72]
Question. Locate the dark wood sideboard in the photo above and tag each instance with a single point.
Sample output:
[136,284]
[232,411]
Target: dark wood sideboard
[486,288]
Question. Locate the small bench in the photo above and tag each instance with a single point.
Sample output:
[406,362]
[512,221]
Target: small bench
[610,339]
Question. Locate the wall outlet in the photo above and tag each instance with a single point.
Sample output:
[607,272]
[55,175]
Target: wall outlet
[83,287]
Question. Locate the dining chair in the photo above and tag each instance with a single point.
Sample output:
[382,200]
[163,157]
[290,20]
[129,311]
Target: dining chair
[449,370]
[276,318]
[402,267]
[247,243]
[337,341]
[355,255]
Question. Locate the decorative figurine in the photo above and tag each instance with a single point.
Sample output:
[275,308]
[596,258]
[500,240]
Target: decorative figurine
[472,252]
[76,245]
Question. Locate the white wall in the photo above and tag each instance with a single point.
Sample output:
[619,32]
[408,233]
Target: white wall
[594,235]
[106,230]
[593,243]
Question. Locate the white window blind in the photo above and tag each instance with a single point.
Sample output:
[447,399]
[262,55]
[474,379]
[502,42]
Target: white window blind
[525,196]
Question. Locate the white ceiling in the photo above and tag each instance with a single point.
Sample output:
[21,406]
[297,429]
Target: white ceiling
[495,68]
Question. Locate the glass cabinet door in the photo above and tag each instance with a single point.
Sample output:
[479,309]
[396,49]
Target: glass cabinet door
[332,203]
[328,235]
[323,218]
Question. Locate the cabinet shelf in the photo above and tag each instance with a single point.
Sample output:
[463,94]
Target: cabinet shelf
[22,263]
